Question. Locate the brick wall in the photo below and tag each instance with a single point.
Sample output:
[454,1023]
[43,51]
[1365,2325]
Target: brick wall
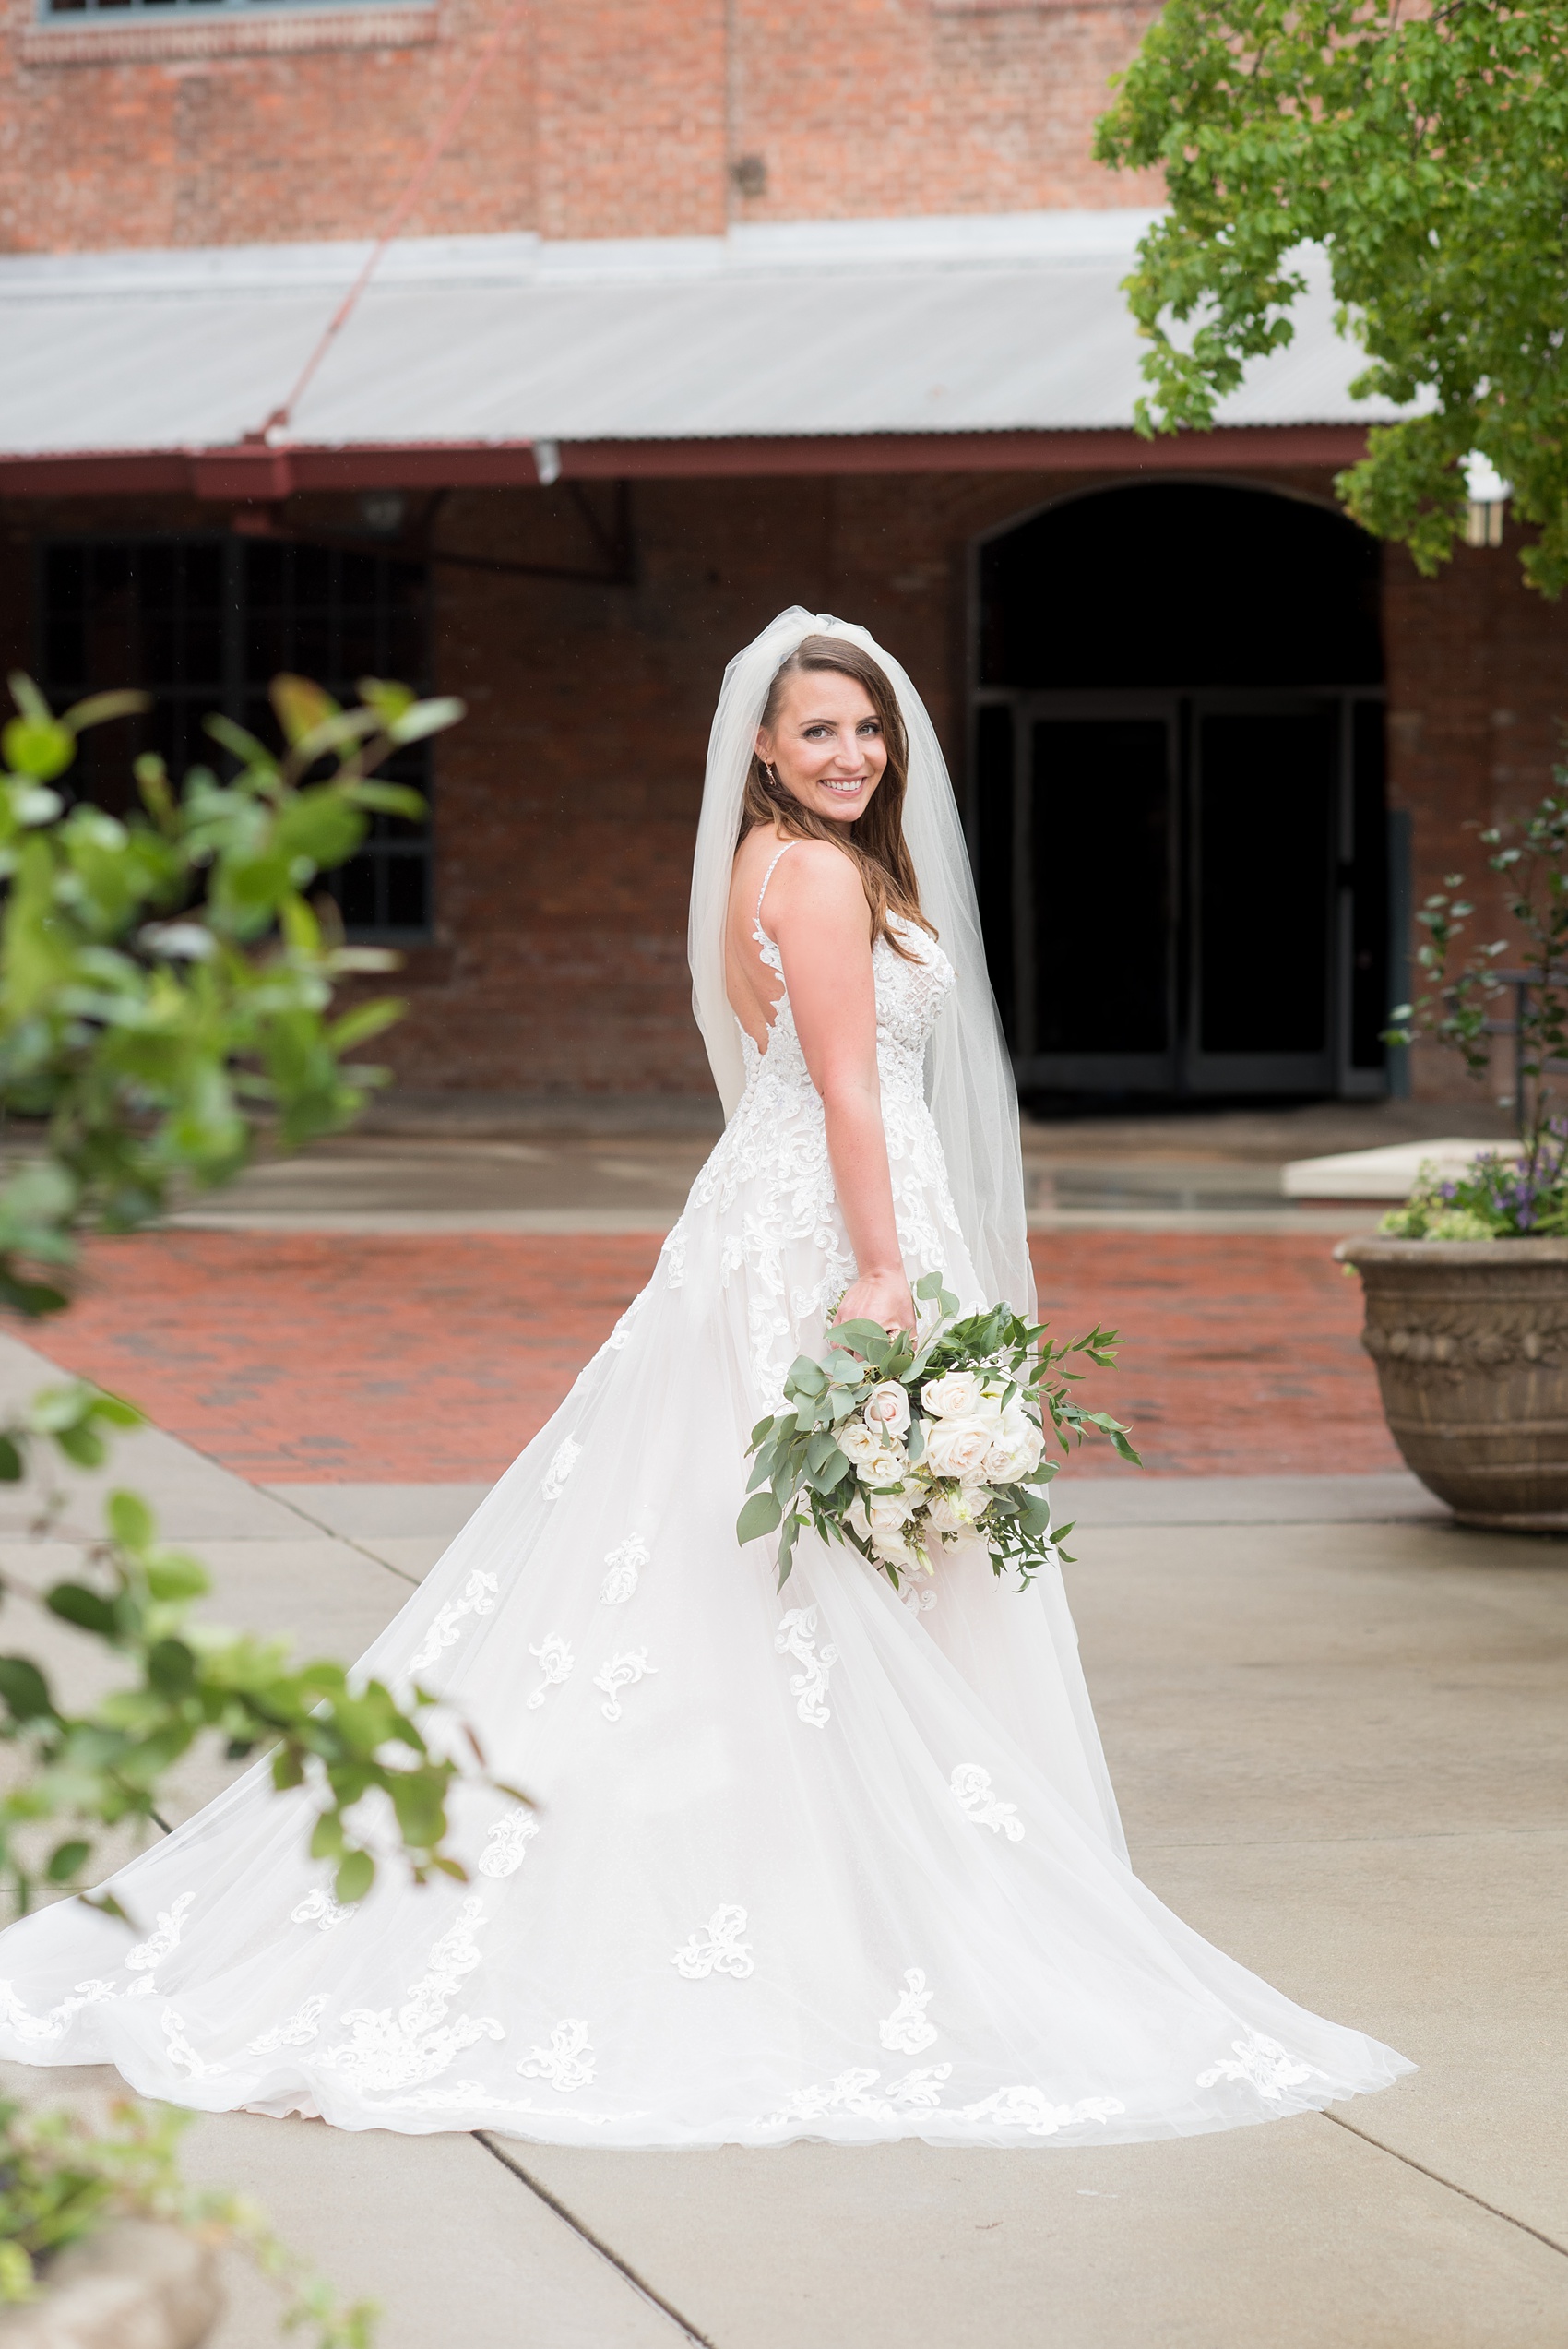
[567,804]
[606,118]
[882,110]
[569,799]
[1478,698]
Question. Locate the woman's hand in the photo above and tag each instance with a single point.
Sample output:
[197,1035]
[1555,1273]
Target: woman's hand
[880,1297]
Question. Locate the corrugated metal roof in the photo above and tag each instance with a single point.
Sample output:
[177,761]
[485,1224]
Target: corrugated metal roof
[966,325]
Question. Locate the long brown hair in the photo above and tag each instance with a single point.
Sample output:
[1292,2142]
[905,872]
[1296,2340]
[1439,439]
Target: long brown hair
[875,839]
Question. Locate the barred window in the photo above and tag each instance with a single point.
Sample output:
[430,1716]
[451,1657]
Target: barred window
[202,623]
[185,9]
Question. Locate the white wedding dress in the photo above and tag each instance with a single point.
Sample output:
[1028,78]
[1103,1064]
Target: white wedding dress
[830,1863]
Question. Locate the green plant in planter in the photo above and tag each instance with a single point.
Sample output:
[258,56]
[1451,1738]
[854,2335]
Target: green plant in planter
[166,996]
[1500,1196]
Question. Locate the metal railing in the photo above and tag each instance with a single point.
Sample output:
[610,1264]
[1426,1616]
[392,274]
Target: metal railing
[1523,983]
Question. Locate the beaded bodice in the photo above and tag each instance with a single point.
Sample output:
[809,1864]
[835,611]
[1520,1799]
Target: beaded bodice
[770,1181]
[908,996]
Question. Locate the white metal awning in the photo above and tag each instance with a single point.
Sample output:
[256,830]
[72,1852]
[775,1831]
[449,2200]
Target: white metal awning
[985,325]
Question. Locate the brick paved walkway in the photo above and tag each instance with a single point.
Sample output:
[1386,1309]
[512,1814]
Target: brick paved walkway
[419,1360]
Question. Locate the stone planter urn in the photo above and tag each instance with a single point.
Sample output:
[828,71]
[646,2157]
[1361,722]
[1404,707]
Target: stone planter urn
[1470,1339]
[137,2284]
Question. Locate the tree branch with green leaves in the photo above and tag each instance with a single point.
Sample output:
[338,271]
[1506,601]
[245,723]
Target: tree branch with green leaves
[166,984]
[1424,151]
[166,996]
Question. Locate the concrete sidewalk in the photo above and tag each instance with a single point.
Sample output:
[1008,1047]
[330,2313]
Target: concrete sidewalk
[1338,1728]
[434,1165]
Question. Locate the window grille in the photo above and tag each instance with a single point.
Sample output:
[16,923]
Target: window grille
[204,624]
[121,9]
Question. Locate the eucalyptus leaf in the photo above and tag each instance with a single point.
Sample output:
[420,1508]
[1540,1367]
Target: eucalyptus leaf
[760,1515]
[829,1471]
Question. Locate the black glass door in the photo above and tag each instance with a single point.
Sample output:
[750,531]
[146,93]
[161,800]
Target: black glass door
[1101,875]
[1172,892]
[1265,802]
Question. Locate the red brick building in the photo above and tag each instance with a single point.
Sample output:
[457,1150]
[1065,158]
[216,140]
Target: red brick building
[707,310]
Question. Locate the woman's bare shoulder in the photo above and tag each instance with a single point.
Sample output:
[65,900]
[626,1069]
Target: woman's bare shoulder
[817,878]
[754,854]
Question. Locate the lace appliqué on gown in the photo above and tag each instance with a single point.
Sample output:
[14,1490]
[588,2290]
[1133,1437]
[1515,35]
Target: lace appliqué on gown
[971,1792]
[568,1454]
[477,1597]
[386,2051]
[555,1661]
[323,1908]
[617,1673]
[796,1637]
[626,1563]
[506,1846]
[566,2063]
[298,2031]
[719,1950]
[1261,2063]
[906,2030]
[37,2029]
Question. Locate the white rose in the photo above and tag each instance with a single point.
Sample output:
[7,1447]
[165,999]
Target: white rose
[887,1511]
[884,1467]
[957,1448]
[955,1396]
[955,1513]
[857,1441]
[895,1550]
[1017,1450]
[856,1517]
[887,1408]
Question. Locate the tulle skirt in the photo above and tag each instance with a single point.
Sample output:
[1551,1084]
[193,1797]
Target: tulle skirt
[825,1863]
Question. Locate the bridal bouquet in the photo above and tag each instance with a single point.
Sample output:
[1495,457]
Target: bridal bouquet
[905,1445]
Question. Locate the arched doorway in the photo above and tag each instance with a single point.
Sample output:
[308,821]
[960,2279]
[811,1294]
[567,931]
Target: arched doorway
[1180,832]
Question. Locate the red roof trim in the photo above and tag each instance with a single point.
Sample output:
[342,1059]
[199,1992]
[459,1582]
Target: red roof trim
[243,474]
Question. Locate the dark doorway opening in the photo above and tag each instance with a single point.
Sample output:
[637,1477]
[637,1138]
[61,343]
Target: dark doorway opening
[1180,828]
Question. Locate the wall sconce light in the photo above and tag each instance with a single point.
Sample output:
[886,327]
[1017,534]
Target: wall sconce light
[381,511]
[1488,494]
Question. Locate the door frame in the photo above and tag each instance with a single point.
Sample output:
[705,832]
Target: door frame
[1183,1070]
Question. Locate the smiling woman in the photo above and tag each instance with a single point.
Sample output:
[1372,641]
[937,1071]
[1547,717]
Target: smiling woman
[828,774]
[831,762]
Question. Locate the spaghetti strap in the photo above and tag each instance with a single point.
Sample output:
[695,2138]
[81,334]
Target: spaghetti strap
[757,931]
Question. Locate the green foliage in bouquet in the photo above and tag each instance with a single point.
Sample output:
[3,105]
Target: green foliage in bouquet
[900,1445]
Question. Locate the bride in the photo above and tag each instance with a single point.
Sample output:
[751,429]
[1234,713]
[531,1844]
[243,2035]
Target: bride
[836,1864]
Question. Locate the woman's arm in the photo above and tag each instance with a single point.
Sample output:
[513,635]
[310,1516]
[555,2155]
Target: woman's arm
[816,911]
